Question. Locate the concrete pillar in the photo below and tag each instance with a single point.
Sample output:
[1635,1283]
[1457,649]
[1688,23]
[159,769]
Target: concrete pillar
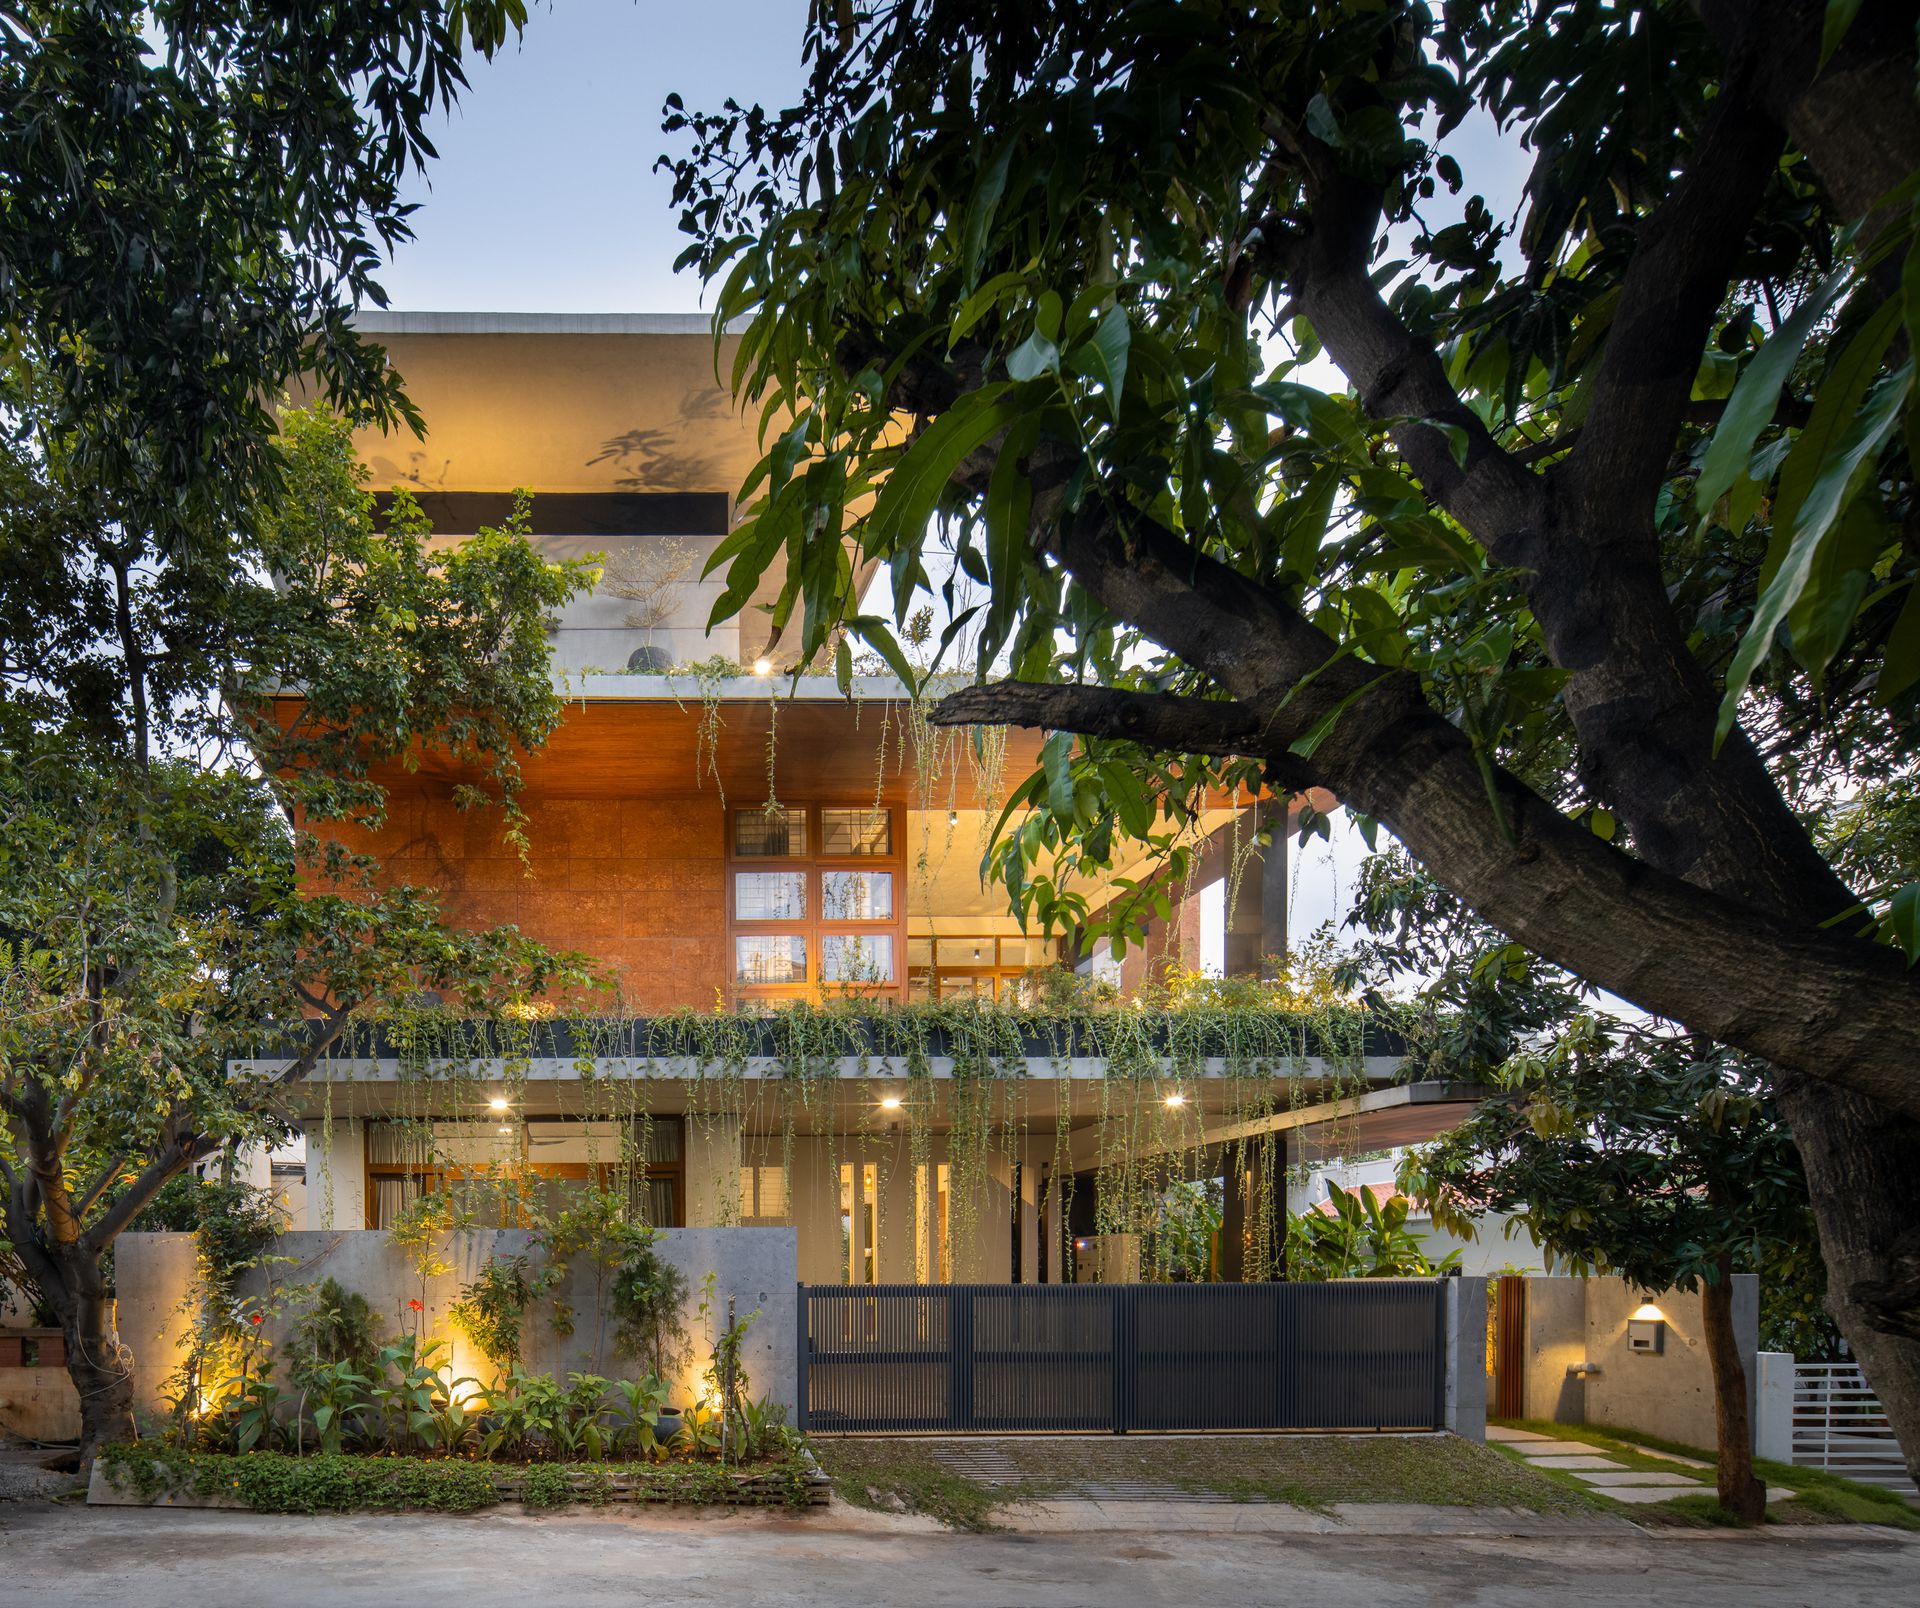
[1466,1395]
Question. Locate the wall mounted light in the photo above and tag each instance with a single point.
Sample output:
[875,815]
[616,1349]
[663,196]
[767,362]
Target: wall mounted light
[1647,1330]
[1176,1098]
[763,666]
[497,1103]
[890,1102]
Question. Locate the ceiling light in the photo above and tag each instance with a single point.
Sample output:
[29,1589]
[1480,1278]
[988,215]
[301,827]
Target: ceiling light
[497,1103]
[763,666]
[1176,1098]
[890,1102]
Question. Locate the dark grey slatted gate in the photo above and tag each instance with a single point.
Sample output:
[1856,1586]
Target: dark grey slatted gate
[1000,1358]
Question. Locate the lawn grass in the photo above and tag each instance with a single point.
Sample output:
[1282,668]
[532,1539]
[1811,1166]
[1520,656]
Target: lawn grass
[1818,1497]
[1306,1471]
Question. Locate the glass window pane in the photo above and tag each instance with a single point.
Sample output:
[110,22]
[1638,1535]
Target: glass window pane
[769,895]
[849,958]
[769,960]
[770,834]
[856,832]
[856,895]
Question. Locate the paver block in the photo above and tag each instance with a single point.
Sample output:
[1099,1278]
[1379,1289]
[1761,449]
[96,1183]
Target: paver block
[1556,1448]
[1639,1477]
[1574,1464]
[1499,1432]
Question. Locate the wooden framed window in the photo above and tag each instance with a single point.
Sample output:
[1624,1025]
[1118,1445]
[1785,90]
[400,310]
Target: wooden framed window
[517,1166]
[816,901]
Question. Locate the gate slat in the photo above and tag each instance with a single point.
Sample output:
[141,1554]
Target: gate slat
[1000,1358]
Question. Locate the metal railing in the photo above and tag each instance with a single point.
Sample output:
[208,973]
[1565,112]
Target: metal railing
[1840,1426]
[1000,1359]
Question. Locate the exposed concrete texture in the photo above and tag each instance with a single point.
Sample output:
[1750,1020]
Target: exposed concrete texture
[1581,1324]
[1467,1358]
[1773,1406]
[164,1558]
[753,1266]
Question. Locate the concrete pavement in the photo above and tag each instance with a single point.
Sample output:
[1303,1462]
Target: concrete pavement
[192,1559]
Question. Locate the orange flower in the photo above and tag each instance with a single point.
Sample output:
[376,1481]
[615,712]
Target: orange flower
[412,1306]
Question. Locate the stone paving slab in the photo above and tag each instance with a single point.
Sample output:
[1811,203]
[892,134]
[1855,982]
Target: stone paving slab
[1639,1477]
[1672,1457]
[1574,1465]
[1556,1448]
[1499,1432]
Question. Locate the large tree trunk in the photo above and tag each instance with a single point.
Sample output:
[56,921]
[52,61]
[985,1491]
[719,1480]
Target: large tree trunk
[1740,1493]
[100,1368]
[1861,1161]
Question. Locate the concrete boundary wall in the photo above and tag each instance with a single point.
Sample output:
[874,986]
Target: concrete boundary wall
[1579,1368]
[757,1267]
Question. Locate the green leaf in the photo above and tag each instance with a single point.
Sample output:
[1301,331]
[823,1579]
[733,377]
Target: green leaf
[1056,762]
[1103,357]
[1603,824]
[1756,396]
[975,307]
[1840,15]
[1034,356]
[1903,918]
[1844,455]
[874,632]
[911,491]
[1901,668]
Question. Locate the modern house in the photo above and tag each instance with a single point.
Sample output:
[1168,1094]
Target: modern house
[730,839]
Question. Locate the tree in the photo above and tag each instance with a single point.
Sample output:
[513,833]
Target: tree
[158,822]
[1603,493]
[194,196]
[1637,1151]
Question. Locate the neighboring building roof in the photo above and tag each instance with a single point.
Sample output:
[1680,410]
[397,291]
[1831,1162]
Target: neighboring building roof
[1382,1194]
[456,323]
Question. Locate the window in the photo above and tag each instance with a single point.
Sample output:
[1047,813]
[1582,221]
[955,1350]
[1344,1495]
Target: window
[815,900]
[763,1194]
[763,834]
[499,1172]
[845,833]
[856,896]
[856,958]
[769,896]
[769,960]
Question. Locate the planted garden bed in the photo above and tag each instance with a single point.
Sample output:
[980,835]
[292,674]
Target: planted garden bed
[274,1482]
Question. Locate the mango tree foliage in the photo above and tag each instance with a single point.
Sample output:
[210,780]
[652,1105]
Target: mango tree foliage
[158,819]
[1593,581]
[194,195]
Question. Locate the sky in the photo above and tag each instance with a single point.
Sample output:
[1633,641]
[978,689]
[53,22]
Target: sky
[545,199]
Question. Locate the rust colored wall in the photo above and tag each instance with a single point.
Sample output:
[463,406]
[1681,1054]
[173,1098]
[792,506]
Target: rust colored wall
[638,883]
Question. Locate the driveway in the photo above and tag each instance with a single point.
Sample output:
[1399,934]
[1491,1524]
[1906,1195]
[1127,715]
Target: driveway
[197,1559]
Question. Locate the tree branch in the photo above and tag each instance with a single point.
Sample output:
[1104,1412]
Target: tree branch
[1843,1009]
[1685,255]
[1169,722]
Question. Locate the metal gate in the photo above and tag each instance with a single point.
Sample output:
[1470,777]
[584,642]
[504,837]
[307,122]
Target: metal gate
[1003,1358]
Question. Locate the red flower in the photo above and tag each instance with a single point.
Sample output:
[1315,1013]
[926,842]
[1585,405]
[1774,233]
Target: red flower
[256,1319]
[412,1306]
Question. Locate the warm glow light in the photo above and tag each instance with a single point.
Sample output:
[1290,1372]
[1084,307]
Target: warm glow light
[503,1128]
[497,1103]
[890,1102]
[763,666]
[953,817]
[1176,1098]
[1646,1312]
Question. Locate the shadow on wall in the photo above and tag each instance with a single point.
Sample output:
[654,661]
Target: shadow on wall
[665,460]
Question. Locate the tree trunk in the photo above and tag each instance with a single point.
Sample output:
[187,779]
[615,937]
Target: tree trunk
[1740,1493]
[1861,1160]
[99,1366]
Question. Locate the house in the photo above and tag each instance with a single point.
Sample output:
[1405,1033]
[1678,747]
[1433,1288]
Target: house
[1498,1247]
[730,841]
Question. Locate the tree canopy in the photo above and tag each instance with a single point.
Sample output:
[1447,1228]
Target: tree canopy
[1594,581]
